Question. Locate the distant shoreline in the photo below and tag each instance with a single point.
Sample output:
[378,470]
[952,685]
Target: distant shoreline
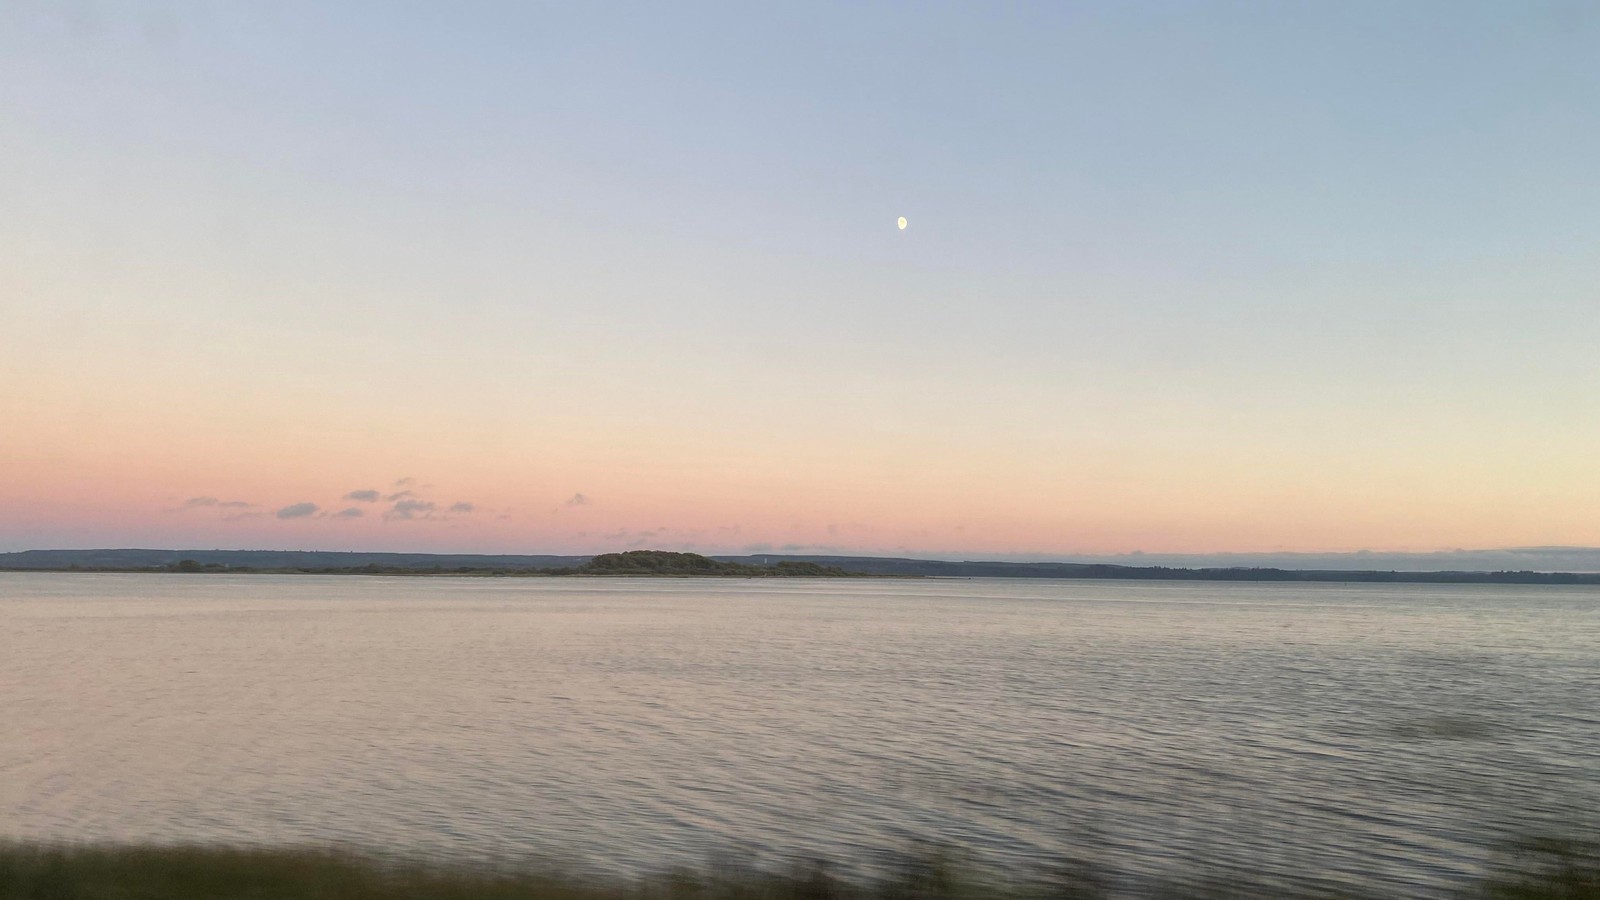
[1581,579]
[662,564]
[630,564]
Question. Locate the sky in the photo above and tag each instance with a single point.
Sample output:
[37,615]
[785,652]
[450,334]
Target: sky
[573,278]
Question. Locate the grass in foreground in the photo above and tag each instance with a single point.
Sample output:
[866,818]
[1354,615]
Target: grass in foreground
[1536,871]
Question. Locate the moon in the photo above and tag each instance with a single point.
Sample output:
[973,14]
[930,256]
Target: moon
[902,223]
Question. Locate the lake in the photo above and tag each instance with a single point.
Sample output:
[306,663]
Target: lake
[1379,734]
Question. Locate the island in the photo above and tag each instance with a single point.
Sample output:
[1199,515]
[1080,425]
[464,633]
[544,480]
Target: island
[663,562]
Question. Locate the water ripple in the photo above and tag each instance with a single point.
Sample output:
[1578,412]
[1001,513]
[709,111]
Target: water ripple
[1380,735]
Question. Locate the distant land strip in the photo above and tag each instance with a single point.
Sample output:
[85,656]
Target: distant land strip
[663,563]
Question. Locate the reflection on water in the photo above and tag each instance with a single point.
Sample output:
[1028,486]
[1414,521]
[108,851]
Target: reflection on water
[1381,734]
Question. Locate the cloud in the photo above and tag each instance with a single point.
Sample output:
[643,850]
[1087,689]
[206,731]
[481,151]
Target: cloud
[400,490]
[297,511]
[351,513]
[462,507]
[362,496]
[211,503]
[411,509]
[578,500]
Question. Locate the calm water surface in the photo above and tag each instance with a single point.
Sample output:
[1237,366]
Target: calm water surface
[1381,734]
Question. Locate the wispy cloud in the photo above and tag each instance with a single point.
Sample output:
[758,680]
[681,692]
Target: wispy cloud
[578,500]
[401,489]
[411,509]
[297,511]
[406,498]
[211,503]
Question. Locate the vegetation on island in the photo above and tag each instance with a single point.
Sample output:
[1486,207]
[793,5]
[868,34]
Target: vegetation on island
[662,562]
[1538,871]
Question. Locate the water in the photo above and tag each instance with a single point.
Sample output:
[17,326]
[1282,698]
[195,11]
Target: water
[1380,734]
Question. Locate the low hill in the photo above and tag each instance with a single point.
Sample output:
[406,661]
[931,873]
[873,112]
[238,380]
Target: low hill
[661,562]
